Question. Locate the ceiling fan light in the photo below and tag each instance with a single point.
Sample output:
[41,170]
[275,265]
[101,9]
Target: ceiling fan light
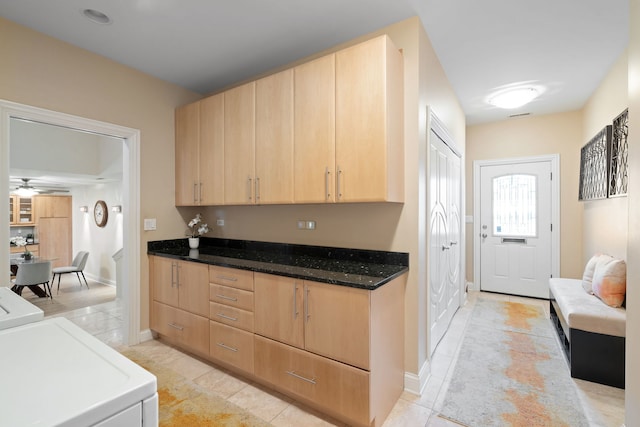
[513,98]
[25,192]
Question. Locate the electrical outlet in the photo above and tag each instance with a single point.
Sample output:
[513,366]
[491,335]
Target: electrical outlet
[220,223]
[311,225]
[149,224]
[302,225]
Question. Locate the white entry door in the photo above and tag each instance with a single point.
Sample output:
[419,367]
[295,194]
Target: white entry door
[516,228]
[445,233]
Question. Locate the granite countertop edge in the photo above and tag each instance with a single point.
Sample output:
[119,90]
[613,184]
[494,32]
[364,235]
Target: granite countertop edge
[339,270]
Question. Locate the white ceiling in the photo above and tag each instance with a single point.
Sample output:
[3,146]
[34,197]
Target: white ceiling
[566,46]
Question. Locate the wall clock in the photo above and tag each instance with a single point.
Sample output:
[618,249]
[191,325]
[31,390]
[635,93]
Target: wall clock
[100,213]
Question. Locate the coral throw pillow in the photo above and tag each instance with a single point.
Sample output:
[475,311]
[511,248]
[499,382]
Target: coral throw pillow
[610,281]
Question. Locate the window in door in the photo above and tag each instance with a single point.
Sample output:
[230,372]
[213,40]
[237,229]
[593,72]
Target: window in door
[515,205]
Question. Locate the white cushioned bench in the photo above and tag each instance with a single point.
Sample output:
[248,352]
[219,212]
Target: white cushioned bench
[592,333]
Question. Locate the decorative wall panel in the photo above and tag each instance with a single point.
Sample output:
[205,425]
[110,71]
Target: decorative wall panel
[618,156]
[594,166]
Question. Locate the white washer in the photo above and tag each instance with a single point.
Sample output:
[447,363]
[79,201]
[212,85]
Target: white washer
[16,311]
[53,373]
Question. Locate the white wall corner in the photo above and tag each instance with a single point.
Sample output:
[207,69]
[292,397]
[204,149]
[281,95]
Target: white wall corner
[471,286]
[415,384]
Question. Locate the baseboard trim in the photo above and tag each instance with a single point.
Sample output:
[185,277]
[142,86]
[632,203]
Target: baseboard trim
[415,384]
[145,335]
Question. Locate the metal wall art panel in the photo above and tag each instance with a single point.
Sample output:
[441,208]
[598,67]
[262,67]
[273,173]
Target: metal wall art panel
[618,178]
[594,166]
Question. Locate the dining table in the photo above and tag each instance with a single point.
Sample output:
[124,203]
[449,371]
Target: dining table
[14,265]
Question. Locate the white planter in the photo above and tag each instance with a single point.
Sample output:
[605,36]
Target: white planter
[194,242]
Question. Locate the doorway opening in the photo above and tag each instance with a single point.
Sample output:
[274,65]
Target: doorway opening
[130,196]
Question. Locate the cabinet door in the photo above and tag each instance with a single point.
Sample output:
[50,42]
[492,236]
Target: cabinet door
[211,159]
[314,131]
[52,207]
[232,346]
[239,145]
[369,146]
[193,287]
[12,209]
[337,323]
[54,236]
[187,123]
[278,312]
[163,280]
[187,329]
[24,210]
[274,138]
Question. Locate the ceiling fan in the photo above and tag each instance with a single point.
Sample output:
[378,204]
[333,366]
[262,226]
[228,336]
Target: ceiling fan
[27,190]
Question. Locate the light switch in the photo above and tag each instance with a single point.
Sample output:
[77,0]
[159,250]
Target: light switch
[149,224]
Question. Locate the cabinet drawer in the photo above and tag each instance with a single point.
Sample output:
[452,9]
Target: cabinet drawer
[241,279]
[231,316]
[189,330]
[232,346]
[231,296]
[333,385]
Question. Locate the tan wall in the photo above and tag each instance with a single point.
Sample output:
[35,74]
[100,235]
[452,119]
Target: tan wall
[50,74]
[533,136]
[605,221]
[40,71]
[632,385]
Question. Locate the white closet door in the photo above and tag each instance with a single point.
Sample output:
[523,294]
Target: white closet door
[444,243]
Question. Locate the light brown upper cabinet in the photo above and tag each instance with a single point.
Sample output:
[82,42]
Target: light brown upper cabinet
[369,112]
[239,144]
[314,131]
[200,152]
[21,210]
[274,139]
[187,142]
[330,130]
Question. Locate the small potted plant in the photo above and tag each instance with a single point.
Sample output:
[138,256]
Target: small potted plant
[196,229]
[21,241]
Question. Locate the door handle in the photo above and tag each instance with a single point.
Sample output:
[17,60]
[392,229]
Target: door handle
[445,247]
[484,235]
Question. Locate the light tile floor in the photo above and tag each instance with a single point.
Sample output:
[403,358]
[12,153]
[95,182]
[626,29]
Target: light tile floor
[603,405]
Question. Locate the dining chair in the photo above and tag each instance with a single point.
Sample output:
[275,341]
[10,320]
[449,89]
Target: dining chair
[77,266]
[33,274]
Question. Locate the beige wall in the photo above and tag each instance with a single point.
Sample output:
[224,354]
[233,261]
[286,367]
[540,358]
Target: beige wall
[40,71]
[632,386]
[534,136]
[605,221]
[50,74]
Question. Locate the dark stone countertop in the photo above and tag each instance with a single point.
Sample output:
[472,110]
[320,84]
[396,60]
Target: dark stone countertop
[355,268]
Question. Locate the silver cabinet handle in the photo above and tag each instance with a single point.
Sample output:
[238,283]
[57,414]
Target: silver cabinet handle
[300,377]
[226,347]
[231,279]
[445,247]
[326,183]
[224,316]
[257,189]
[307,315]
[295,295]
[226,297]
[249,188]
[173,325]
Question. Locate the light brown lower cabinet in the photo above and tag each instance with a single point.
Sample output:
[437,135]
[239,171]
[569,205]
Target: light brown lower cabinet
[347,358]
[185,329]
[342,390]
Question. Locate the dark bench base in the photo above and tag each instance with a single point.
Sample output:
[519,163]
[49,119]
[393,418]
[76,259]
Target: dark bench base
[593,357]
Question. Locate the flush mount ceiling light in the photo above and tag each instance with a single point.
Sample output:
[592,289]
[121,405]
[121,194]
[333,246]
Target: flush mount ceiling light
[513,97]
[96,16]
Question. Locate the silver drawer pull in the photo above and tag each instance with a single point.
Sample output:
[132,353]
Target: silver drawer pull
[226,347]
[173,325]
[232,279]
[300,377]
[227,298]
[224,316]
